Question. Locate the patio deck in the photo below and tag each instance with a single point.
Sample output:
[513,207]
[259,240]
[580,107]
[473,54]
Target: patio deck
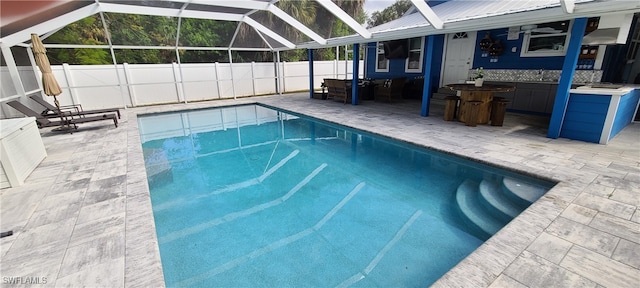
[83,217]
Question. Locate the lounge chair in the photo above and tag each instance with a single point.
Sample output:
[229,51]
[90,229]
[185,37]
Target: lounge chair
[76,110]
[44,122]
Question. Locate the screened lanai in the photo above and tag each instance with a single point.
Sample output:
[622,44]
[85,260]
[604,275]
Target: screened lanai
[115,42]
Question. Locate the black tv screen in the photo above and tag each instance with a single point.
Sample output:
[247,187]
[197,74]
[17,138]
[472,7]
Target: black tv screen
[396,49]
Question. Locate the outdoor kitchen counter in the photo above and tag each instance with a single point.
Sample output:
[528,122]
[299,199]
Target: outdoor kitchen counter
[609,91]
[596,114]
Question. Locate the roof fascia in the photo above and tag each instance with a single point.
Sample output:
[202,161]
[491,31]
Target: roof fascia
[50,25]
[428,13]
[338,12]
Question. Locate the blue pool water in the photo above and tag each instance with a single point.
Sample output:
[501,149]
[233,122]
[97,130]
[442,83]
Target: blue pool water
[251,196]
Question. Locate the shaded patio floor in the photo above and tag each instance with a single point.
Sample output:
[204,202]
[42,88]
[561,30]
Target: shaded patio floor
[83,217]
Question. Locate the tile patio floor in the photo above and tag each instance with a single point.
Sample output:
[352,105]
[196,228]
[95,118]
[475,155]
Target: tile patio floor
[83,217]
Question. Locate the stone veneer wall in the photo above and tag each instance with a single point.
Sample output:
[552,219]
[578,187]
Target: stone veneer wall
[514,75]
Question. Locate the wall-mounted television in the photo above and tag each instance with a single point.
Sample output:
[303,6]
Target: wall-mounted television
[396,49]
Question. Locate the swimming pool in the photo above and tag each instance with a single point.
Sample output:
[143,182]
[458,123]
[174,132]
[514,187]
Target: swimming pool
[252,196]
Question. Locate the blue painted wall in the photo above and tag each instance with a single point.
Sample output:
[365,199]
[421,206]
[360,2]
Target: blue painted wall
[625,112]
[397,66]
[585,117]
[511,60]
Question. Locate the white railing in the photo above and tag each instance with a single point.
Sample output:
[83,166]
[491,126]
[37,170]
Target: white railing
[104,86]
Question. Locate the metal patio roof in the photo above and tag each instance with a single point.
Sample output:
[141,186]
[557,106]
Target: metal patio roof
[473,15]
[48,16]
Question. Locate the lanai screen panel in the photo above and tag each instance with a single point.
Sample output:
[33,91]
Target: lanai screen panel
[319,19]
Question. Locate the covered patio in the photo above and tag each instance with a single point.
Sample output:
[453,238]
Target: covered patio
[84,216]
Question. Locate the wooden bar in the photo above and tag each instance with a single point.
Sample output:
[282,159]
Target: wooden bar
[483,94]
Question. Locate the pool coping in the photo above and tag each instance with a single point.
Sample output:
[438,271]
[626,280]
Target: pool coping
[479,269]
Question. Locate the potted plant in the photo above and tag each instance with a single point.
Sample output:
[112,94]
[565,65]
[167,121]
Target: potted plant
[479,77]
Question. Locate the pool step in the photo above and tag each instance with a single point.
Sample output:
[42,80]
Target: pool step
[522,193]
[495,201]
[474,213]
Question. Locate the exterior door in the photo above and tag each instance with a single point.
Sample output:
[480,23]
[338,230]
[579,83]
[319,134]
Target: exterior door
[458,57]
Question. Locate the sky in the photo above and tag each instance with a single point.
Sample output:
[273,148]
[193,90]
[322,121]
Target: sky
[376,5]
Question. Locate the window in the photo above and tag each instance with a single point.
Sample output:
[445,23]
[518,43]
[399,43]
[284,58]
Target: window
[382,63]
[634,45]
[414,61]
[546,39]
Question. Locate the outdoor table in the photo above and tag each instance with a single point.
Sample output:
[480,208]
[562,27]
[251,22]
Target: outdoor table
[484,94]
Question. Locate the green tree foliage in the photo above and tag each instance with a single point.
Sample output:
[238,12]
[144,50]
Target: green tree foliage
[146,30]
[87,31]
[392,12]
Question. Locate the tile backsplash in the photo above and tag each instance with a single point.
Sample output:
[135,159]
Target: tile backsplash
[515,75]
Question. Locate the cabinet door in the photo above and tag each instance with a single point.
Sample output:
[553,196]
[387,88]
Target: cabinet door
[553,89]
[521,99]
[509,96]
[538,100]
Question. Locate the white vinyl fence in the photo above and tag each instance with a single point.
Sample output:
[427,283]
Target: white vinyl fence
[104,86]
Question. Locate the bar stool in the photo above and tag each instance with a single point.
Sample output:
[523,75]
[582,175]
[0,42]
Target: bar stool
[450,107]
[472,118]
[498,110]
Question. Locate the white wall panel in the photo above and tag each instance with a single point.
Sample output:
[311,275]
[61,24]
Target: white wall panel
[198,91]
[97,97]
[98,86]
[155,94]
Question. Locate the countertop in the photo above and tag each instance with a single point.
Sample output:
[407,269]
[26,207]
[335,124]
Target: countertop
[605,91]
[485,87]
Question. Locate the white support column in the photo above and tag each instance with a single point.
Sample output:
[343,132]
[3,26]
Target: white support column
[568,6]
[338,12]
[293,22]
[275,72]
[129,83]
[184,92]
[217,71]
[233,82]
[177,81]
[269,32]
[32,59]
[346,62]
[336,67]
[428,13]
[113,59]
[253,78]
[280,74]
[68,77]
[13,71]
[599,57]
[284,76]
